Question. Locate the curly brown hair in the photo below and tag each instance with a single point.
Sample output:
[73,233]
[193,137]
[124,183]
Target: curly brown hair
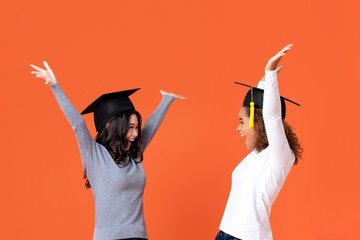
[262,141]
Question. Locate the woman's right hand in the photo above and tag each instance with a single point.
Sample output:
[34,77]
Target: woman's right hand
[47,74]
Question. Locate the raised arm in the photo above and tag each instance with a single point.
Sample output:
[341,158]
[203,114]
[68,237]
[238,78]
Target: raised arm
[153,122]
[278,144]
[83,137]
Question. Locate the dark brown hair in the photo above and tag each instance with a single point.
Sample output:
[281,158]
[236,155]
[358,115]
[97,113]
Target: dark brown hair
[114,139]
[262,141]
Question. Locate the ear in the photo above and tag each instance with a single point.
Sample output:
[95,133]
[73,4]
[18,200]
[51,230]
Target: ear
[107,126]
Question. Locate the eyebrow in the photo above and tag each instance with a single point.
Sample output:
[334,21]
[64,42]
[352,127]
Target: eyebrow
[241,119]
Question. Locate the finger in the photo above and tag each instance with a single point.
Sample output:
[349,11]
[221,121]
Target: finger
[41,76]
[287,48]
[279,68]
[35,72]
[47,66]
[177,96]
[37,68]
[283,51]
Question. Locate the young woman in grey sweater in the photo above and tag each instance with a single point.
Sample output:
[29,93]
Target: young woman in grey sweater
[112,162]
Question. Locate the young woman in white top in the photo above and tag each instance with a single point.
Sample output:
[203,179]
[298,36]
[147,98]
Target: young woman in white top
[257,180]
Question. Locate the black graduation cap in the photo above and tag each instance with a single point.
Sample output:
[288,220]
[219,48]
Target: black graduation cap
[108,105]
[258,96]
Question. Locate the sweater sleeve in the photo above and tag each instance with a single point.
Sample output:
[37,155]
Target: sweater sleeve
[153,122]
[82,134]
[278,144]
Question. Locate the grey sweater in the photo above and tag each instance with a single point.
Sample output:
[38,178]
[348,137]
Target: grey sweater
[118,191]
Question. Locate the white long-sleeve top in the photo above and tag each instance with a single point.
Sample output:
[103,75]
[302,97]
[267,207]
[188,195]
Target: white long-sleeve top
[257,180]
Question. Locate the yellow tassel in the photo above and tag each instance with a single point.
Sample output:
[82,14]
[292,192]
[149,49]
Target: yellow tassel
[252,112]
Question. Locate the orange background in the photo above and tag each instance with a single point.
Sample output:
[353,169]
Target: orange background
[196,48]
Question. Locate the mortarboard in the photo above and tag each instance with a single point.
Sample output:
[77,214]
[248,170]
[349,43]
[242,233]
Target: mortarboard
[254,98]
[108,105]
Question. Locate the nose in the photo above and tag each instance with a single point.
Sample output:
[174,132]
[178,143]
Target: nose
[134,133]
[238,128]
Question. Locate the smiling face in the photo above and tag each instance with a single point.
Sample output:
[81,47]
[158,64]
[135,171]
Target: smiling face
[249,133]
[133,130]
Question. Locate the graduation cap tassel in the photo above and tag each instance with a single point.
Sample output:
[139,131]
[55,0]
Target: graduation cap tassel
[252,110]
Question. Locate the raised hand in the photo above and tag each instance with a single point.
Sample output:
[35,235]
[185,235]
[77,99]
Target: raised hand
[47,74]
[172,94]
[273,62]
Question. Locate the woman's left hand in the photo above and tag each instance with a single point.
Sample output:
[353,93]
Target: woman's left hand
[273,62]
[173,94]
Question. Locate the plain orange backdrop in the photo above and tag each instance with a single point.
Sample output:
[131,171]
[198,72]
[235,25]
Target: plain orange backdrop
[196,48]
